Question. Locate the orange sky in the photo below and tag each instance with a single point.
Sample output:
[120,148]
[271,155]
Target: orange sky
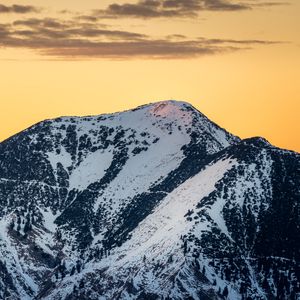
[239,65]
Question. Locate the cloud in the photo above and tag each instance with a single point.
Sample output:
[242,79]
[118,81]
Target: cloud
[176,8]
[224,5]
[18,9]
[266,4]
[54,28]
[166,8]
[147,9]
[241,42]
[69,39]
[42,23]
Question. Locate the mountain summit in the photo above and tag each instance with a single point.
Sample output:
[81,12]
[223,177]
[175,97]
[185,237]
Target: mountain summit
[157,202]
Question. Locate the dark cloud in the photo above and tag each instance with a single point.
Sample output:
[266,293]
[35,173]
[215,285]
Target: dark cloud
[155,8]
[241,42]
[165,8]
[177,8]
[40,23]
[18,9]
[54,28]
[145,9]
[81,40]
[141,49]
[266,4]
[224,5]
[84,49]
[160,8]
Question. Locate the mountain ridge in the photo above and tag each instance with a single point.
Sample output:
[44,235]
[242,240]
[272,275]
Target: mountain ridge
[113,114]
[157,202]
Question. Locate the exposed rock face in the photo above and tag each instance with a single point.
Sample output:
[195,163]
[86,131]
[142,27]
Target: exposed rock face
[152,203]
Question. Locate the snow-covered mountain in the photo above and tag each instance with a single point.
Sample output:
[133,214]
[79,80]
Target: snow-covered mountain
[157,202]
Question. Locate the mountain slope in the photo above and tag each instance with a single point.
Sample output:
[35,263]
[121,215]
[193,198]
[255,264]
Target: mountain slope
[152,203]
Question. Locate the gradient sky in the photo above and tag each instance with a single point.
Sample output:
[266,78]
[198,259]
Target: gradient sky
[238,61]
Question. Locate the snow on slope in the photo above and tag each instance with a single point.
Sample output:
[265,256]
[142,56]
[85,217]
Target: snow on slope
[154,136]
[157,238]
[163,228]
[164,127]
[154,259]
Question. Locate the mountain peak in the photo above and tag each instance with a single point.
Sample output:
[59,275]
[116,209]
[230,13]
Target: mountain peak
[172,103]
[172,109]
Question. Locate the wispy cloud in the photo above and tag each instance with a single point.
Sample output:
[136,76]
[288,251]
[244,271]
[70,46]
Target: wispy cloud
[147,9]
[262,3]
[18,9]
[176,8]
[166,8]
[55,28]
[83,40]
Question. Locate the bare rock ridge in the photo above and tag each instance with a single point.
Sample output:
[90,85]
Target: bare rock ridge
[157,202]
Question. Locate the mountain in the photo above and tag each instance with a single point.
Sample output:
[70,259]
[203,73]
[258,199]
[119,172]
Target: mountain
[157,202]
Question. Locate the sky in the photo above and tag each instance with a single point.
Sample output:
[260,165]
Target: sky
[238,62]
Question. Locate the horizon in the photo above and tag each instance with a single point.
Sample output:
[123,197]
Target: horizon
[237,62]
